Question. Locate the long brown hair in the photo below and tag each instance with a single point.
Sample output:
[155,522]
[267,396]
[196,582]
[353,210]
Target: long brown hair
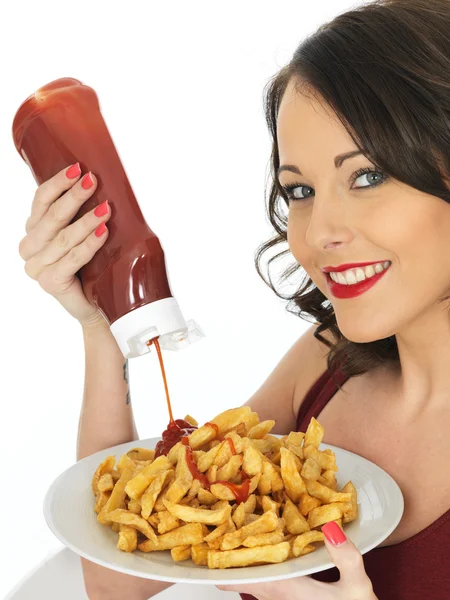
[384,68]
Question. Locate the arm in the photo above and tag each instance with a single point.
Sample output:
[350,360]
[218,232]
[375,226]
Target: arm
[282,393]
[106,417]
[107,420]
[54,250]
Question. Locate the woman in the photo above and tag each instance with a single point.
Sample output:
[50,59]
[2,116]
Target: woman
[360,120]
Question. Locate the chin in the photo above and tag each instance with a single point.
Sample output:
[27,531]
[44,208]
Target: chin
[362,331]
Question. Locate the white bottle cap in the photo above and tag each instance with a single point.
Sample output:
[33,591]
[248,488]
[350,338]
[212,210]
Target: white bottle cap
[163,319]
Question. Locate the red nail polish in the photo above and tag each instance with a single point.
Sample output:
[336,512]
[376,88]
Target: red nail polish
[73,171]
[87,182]
[101,229]
[101,209]
[334,533]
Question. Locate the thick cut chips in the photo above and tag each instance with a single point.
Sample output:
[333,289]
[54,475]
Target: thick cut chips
[229,495]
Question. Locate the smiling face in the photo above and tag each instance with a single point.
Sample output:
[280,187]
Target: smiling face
[337,217]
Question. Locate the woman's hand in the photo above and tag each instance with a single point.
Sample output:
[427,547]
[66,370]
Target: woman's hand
[54,249]
[354,583]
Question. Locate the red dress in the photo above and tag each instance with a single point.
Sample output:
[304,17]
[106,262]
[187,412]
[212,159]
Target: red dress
[417,568]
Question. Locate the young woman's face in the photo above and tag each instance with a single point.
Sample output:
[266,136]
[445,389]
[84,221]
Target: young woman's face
[333,222]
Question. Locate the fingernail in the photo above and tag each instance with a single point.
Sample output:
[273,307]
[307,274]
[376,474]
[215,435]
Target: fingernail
[87,181]
[101,209]
[73,171]
[101,229]
[334,533]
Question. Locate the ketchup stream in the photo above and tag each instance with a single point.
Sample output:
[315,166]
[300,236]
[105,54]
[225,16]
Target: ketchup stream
[179,430]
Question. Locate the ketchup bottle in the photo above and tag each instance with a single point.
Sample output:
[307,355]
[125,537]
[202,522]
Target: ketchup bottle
[59,125]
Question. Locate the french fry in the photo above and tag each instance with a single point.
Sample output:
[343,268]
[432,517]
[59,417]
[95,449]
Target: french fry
[166,522]
[326,458]
[302,540]
[180,553]
[126,462]
[230,469]
[314,434]
[105,467]
[326,513]
[253,459]
[198,515]
[268,504]
[211,473]
[206,497]
[328,478]
[102,499]
[295,521]
[267,523]
[311,470]
[141,454]
[135,506]
[267,445]
[295,438]
[190,534]
[293,483]
[199,554]
[261,430]
[191,420]
[105,483]
[124,517]
[127,538]
[207,459]
[137,486]
[325,494]
[183,478]
[117,497]
[263,539]
[237,441]
[307,550]
[150,495]
[351,511]
[307,503]
[248,556]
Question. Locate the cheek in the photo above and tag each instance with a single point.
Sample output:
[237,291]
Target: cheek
[303,254]
[296,237]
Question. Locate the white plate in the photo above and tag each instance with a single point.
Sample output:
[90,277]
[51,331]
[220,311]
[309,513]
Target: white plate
[69,512]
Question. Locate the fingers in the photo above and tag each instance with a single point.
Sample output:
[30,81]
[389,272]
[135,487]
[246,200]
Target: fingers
[349,561]
[51,214]
[69,238]
[49,191]
[299,587]
[57,278]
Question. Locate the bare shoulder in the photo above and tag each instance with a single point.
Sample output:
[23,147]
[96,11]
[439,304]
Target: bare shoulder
[282,393]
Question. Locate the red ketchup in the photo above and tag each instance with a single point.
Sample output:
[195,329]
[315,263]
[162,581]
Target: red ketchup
[176,431]
[239,490]
[62,124]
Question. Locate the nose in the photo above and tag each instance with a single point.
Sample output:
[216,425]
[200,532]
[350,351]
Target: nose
[329,225]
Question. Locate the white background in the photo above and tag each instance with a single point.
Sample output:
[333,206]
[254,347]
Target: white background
[181,87]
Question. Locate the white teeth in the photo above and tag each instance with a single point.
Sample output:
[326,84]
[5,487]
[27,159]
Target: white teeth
[360,276]
[352,276]
[369,271]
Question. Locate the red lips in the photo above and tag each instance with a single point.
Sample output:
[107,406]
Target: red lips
[343,291]
[350,266]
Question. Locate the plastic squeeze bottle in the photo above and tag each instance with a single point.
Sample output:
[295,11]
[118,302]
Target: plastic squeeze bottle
[59,125]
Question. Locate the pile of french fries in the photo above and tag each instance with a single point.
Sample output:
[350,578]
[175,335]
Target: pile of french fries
[156,504]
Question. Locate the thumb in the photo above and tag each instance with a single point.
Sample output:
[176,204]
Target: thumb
[347,558]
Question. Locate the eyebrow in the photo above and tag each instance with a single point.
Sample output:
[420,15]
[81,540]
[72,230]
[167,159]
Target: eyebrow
[338,160]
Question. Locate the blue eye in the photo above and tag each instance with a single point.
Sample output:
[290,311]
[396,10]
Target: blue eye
[288,189]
